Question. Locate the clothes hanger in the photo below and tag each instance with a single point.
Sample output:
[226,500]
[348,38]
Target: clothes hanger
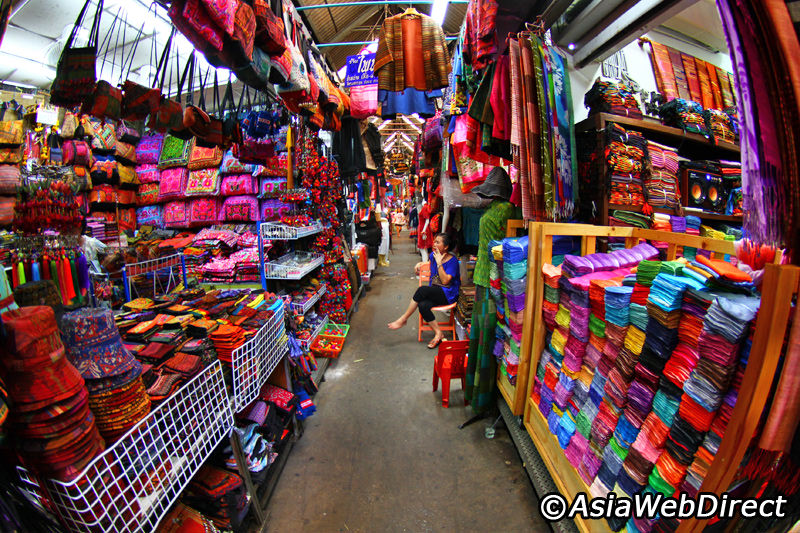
[411,12]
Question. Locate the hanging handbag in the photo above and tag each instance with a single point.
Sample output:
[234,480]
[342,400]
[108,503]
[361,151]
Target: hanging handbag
[125,153]
[432,135]
[203,182]
[204,157]
[147,194]
[231,165]
[175,152]
[128,134]
[139,101]
[195,119]
[231,128]
[9,179]
[192,19]
[176,215]
[77,153]
[105,138]
[298,76]
[75,72]
[106,99]
[149,149]
[11,131]
[70,126]
[281,65]
[237,184]
[172,184]
[11,156]
[148,173]
[128,179]
[269,28]
[256,73]
[204,211]
[169,116]
[214,137]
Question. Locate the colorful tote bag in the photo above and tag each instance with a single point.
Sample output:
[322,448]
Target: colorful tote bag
[204,157]
[173,183]
[203,211]
[151,215]
[203,182]
[176,214]
[149,149]
[105,137]
[75,73]
[77,153]
[239,184]
[125,153]
[271,187]
[147,194]
[231,165]
[175,152]
[274,210]
[240,209]
[148,173]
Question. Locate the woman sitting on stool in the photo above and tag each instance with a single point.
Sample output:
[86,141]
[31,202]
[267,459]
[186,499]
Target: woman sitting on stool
[442,289]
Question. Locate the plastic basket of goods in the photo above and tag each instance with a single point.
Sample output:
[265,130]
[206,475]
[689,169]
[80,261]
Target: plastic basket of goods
[335,330]
[327,346]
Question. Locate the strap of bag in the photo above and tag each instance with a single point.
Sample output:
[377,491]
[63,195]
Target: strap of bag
[136,44]
[163,62]
[201,101]
[94,33]
[188,72]
[106,43]
[217,102]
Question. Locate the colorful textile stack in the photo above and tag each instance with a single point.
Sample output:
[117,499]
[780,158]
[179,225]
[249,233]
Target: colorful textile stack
[684,114]
[723,126]
[515,269]
[220,495]
[661,182]
[626,157]
[50,426]
[614,98]
[117,396]
[662,379]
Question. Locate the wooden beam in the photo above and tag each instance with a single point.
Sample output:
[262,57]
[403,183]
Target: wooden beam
[346,31]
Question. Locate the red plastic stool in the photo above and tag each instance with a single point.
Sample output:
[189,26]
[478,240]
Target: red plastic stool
[450,363]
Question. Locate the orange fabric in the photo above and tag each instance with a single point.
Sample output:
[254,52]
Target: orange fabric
[671,470]
[724,269]
[413,67]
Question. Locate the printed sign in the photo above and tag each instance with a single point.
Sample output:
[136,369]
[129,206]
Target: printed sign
[360,70]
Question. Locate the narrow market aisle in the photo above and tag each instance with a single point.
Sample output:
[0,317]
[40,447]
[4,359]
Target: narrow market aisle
[382,454]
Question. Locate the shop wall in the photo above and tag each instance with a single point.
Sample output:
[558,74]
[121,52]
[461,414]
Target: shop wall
[640,68]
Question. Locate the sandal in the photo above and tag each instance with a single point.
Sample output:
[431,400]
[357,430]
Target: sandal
[434,343]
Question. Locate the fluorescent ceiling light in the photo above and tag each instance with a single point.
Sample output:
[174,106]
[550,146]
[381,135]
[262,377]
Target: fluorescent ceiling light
[439,10]
[20,85]
[412,124]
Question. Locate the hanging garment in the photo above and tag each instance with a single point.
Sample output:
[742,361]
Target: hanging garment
[408,102]
[412,52]
[348,149]
[481,363]
[480,39]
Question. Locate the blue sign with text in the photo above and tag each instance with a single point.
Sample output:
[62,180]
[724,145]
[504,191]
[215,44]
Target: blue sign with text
[360,70]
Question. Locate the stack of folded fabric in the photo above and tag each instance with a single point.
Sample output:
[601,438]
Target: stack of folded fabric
[220,495]
[117,396]
[551,275]
[226,339]
[496,273]
[629,219]
[466,301]
[614,98]
[515,268]
[661,182]
[246,260]
[684,114]
[721,125]
[617,305]
[51,427]
[218,270]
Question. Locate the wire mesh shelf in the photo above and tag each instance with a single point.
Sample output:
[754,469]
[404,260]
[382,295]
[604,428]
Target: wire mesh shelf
[293,265]
[130,487]
[275,231]
[254,361]
[308,304]
[153,265]
[305,344]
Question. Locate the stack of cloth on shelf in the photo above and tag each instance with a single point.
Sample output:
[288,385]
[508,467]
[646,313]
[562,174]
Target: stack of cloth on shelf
[640,403]
[626,158]
[117,395]
[466,302]
[220,495]
[684,114]
[176,338]
[495,250]
[628,219]
[515,269]
[723,126]
[661,182]
[246,261]
[614,98]
[51,427]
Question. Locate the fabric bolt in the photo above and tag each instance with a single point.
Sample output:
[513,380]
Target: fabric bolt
[666,406]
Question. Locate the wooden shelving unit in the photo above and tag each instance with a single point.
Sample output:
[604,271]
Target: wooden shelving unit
[689,145]
[779,286]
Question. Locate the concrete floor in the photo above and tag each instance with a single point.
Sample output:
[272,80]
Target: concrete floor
[381,454]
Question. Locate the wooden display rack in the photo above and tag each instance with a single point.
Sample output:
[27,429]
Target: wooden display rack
[780,284]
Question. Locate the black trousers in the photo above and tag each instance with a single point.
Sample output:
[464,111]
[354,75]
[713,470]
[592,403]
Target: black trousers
[427,298]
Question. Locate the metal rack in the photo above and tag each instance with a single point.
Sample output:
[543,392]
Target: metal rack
[152,266]
[306,343]
[282,232]
[129,487]
[307,305]
[287,267]
[254,361]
